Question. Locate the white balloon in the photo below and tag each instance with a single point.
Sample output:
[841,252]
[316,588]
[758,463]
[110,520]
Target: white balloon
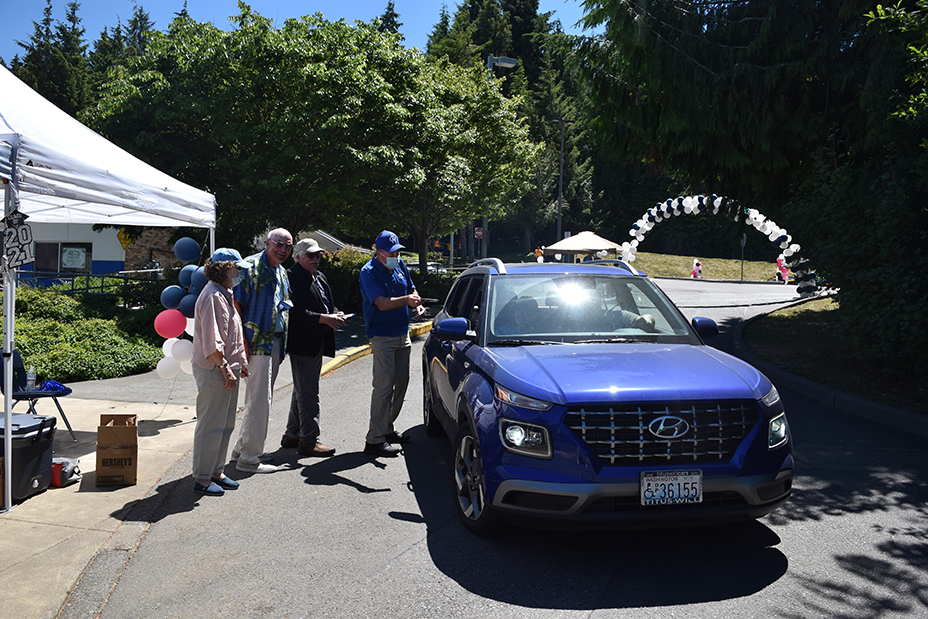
[168,367]
[168,344]
[189,329]
[635,243]
[602,253]
[182,350]
[557,256]
[630,258]
[186,367]
[540,259]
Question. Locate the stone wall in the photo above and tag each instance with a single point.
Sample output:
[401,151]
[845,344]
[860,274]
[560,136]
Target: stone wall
[153,244]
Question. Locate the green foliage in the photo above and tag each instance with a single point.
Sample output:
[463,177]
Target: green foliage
[342,271]
[335,125]
[813,115]
[874,249]
[83,337]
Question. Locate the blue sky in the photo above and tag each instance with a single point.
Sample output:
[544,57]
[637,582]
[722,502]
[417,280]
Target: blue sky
[417,16]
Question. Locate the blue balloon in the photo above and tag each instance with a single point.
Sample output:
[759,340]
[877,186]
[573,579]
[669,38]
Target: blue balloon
[187,249]
[187,305]
[198,279]
[185,274]
[171,296]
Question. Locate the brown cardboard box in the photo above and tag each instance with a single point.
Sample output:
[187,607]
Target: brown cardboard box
[117,450]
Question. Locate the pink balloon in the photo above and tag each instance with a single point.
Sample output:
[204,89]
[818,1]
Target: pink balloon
[170,323]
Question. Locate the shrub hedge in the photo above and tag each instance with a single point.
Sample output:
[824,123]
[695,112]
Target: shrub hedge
[83,337]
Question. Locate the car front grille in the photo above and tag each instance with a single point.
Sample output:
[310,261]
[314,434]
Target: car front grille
[620,435]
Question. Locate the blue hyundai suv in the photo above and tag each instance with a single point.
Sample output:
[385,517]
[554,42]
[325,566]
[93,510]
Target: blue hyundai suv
[578,394]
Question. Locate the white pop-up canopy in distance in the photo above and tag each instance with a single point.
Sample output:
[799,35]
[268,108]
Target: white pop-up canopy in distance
[56,170]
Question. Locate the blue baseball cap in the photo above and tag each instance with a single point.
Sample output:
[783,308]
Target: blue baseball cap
[227,254]
[388,242]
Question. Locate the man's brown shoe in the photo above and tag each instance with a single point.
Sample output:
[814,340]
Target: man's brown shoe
[317,450]
[289,442]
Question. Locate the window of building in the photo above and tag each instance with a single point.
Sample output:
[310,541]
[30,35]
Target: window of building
[63,257]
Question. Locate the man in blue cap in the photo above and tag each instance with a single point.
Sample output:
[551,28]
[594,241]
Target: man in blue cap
[387,293]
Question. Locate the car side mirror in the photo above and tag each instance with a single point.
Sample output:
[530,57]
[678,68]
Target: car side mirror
[705,327]
[455,329]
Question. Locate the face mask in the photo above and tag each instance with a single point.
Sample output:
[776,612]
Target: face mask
[237,279]
[392,263]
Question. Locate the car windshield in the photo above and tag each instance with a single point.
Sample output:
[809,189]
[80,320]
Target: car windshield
[578,308]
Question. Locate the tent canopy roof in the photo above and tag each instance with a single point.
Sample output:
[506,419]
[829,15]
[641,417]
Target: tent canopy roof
[62,172]
[583,243]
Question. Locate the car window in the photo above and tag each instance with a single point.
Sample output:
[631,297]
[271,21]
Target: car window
[464,296]
[573,307]
[456,296]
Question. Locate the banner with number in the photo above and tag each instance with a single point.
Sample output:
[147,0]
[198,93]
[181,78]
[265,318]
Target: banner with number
[17,240]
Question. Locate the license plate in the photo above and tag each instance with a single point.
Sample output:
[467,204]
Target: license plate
[671,487]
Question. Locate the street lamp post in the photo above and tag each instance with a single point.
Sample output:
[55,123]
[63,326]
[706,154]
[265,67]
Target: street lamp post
[560,184]
[506,63]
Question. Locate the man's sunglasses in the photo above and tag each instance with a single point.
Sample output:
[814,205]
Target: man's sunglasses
[281,244]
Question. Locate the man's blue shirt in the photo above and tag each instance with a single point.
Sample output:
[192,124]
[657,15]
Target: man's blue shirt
[261,294]
[379,281]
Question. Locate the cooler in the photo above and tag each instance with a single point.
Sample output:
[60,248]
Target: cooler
[33,438]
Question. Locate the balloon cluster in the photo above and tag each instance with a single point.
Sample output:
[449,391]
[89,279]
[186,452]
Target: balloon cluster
[673,207]
[704,204]
[179,302]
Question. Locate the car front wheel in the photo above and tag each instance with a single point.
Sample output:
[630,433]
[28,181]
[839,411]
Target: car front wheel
[470,490]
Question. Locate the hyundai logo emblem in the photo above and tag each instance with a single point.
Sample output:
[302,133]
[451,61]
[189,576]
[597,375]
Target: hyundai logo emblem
[668,427]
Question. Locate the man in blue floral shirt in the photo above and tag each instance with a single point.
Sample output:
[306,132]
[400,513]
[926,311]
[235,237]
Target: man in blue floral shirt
[262,298]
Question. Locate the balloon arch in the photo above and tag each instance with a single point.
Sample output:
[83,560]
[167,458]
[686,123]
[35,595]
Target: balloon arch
[674,207]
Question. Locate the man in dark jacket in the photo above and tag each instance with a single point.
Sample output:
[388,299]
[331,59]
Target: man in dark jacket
[311,335]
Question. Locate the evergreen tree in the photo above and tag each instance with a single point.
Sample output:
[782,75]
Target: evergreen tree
[457,44]
[439,33]
[108,51]
[34,66]
[137,31]
[491,34]
[389,21]
[55,60]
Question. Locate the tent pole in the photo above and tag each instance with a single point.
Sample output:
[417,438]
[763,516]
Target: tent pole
[9,304]
[212,240]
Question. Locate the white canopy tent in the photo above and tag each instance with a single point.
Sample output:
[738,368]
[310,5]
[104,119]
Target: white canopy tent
[585,242]
[56,170]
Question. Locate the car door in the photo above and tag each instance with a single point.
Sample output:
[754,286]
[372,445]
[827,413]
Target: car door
[453,365]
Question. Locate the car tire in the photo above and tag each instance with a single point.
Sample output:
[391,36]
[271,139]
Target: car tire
[469,485]
[431,423]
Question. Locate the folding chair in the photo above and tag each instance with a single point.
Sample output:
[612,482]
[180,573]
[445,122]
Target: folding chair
[20,394]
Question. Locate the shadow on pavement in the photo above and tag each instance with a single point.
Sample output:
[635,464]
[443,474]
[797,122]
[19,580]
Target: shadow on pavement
[587,570]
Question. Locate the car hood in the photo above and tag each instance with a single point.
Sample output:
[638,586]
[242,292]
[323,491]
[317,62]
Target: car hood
[601,373]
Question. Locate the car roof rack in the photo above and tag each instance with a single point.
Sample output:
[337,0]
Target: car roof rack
[496,263]
[616,263]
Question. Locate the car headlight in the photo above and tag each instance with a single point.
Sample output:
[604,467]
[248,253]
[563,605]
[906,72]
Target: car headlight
[522,401]
[777,431]
[528,439]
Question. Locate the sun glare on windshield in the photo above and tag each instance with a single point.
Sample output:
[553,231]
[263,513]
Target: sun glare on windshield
[573,294]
